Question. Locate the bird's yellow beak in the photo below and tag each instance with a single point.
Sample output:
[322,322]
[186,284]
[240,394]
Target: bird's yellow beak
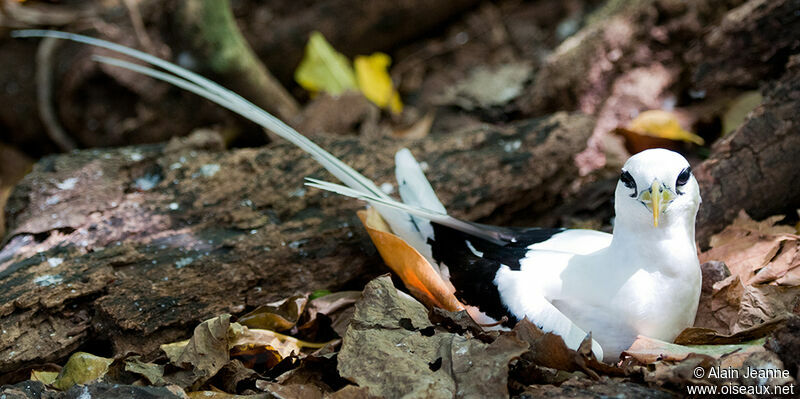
[657,198]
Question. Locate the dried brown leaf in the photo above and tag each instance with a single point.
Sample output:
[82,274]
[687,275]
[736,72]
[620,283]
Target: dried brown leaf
[153,373]
[233,375]
[713,272]
[549,350]
[283,344]
[764,262]
[708,336]
[338,307]
[202,355]
[756,252]
[277,316]
[765,302]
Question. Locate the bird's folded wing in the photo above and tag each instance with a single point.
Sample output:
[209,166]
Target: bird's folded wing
[574,241]
[524,300]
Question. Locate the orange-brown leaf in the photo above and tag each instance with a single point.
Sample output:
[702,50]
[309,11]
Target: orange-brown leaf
[419,276]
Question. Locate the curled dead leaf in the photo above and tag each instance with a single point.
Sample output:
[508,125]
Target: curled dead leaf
[203,355]
[708,336]
[337,308]
[284,344]
[153,373]
[758,252]
[277,316]
[265,348]
[549,350]
[419,276]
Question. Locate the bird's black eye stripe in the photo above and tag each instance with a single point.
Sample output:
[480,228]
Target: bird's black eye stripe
[627,181]
[683,177]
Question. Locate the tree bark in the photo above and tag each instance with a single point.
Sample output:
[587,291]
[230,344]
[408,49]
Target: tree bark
[750,44]
[755,168]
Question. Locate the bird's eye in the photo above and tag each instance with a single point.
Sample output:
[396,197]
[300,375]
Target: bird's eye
[627,181]
[683,177]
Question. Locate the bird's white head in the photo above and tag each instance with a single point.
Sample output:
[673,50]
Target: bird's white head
[656,190]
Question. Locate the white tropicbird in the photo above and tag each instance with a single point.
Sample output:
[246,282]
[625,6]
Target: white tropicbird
[642,280]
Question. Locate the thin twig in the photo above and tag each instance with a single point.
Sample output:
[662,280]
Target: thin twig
[44,92]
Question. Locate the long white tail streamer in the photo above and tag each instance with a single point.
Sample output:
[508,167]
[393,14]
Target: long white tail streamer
[187,80]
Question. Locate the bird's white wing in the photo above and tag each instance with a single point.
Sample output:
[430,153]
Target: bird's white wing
[574,241]
[520,291]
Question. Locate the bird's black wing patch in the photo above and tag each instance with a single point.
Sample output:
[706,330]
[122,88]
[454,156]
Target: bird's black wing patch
[472,274]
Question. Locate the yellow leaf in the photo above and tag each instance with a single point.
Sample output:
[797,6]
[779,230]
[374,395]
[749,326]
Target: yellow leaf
[663,124]
[374,81]
[285,345]
[81,368]
[45,377]
[418,275]
[324,69]
[265,347]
